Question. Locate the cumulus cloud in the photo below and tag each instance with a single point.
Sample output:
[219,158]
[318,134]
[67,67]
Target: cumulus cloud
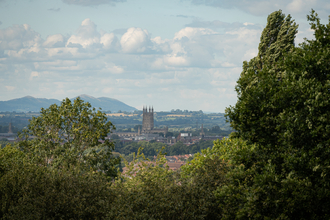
[18,36]
[195,62]
[196,46]
[87,35]
[195,69]
[135,40]
[92,2]
[56,40]
[108,40]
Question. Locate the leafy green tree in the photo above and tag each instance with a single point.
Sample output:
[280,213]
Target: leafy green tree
[253,115]
[149,190]
[282,114]
[30,191]
[288,106]
[276,39]
[71,135]
[3,142]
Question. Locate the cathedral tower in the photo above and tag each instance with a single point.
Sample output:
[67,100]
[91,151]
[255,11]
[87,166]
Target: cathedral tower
[148,120]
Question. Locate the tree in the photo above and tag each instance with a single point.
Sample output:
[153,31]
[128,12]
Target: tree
[150,190]
[30,191]
[283,115]
[286,105]
[276,39]
[253,115]
[71,135]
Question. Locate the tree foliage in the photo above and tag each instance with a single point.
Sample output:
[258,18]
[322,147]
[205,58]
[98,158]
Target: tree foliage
[30,191]
[283,109]
[71,135]
[149,190]
[151,149]
[257,106]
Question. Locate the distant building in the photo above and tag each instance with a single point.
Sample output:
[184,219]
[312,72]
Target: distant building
[147,127]
[148,120]
[185,134]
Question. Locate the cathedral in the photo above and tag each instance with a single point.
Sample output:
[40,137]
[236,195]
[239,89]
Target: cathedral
[147,125]
[148,122]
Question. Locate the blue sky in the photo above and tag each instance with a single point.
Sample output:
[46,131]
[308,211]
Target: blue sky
[173,54]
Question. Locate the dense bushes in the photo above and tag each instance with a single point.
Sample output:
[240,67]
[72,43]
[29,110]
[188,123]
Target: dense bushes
[155,192]
[158,193]
[151,149]
[29,191]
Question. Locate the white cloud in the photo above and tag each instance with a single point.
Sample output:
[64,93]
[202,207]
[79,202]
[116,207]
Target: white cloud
[56,40]
[112,68]
[173,60]
[196,68]
[135,40]
[108,40]
[190,32]
[86,36]
[17,37]
[193,70]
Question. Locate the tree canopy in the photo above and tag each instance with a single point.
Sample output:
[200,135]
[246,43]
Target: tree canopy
[71,135]
[283,113]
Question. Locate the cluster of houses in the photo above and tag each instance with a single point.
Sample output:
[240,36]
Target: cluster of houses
[172,162]
[185,138]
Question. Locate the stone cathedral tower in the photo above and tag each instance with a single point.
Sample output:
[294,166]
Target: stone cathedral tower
[148,120]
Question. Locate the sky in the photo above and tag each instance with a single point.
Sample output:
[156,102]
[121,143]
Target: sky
[169,54]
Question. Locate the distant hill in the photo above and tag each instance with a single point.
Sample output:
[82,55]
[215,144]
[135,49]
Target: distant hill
[29,103]
[107,104]
[26,104]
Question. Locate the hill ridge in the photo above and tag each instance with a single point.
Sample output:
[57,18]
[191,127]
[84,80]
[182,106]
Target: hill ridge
[30,103]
